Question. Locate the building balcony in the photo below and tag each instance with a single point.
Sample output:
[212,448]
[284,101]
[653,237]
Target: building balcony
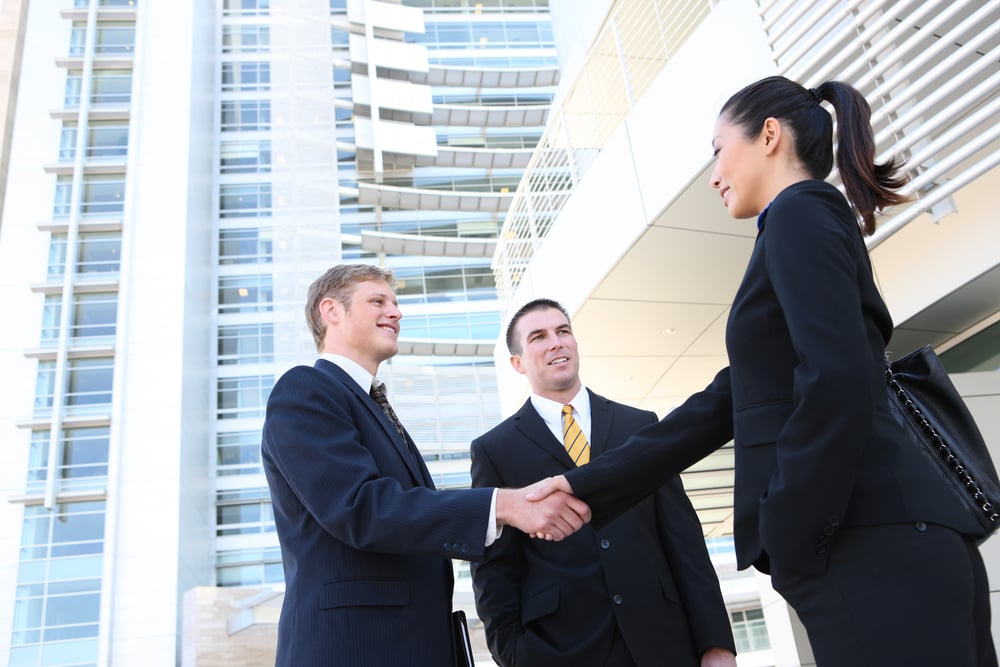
[426,246]
[81,283]
[106,165]
[79,348]
[416,199]
[116,12]
[42,421]
[446,348]
[457,115]
[447,156]
[120,59]
[487,78]
[61,225]
[116,111]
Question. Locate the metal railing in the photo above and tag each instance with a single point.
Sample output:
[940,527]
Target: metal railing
[629,52]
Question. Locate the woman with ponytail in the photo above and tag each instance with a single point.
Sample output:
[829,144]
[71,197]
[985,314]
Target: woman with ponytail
[830,497]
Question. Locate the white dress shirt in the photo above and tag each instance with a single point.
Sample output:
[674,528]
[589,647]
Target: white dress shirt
[551,412]
[365,380]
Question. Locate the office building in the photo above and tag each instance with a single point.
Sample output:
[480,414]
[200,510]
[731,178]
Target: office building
[179,172]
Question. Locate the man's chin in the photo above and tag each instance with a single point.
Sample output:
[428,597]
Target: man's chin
[389,351]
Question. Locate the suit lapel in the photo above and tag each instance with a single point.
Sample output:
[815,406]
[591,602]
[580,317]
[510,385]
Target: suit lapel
[415,464]
[533,427]
[601,422]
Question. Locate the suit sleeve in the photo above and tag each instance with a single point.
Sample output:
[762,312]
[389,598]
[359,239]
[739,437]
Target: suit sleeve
[683,543]
[319,450]
[811,259]
[496,581]
[623,476]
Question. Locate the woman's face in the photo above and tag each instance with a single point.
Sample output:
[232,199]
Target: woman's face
[740,168]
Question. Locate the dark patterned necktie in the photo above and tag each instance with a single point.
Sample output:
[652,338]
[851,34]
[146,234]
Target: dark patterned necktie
[378,393]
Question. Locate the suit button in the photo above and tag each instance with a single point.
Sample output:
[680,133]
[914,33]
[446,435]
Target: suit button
[617,599]
[920,526]
[447,546]
[465,548]
[833,521]
[820,549]
[829,530]
[605,544]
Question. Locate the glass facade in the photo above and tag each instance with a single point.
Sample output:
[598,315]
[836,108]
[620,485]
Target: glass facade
[57,606]
[266,138]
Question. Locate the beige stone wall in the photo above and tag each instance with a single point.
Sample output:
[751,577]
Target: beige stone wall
[206,641]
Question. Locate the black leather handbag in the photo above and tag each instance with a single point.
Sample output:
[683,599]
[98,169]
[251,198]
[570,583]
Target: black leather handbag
[940,422]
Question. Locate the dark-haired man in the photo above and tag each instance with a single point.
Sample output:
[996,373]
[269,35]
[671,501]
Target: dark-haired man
[640,591]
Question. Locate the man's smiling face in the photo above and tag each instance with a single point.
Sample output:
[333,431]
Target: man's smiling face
[548,356]
[367,330]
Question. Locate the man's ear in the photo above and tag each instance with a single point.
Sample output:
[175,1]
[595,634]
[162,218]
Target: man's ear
[331,310]
[515,361]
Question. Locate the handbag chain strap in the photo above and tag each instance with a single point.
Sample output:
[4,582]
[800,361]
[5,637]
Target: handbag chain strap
[943,450]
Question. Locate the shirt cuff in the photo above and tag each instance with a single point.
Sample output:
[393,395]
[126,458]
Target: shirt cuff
[492,531]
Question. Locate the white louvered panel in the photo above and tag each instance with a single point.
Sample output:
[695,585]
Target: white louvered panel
[930,70]
[627,56]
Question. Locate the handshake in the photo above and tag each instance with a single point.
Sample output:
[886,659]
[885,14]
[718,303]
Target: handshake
[546,509]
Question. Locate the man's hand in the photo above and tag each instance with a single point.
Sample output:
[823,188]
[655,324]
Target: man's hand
[542,488]
[718,657]
[554,516]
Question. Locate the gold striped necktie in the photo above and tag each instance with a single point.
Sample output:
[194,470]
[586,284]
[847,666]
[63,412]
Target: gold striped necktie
[573,438]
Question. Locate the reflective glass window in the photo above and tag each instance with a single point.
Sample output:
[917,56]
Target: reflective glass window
[238,157]
[245,294]
[245,38]
[97,252]
[242,397]
[238,453]
[94,315]
[246,115]
[246,344]
[244,200]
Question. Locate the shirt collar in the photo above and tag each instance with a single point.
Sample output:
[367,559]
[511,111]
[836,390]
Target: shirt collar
[551,411]
[352,368]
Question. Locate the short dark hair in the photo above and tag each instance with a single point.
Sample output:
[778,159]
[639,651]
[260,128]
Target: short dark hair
[870,187]
[339,283]
[514,345]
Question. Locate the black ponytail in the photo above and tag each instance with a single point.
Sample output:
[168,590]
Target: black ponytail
[870,187]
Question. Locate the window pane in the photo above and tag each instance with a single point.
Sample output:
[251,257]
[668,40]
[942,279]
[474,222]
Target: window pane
[107,139]
[64,610]
[245,294]
[89,381]
[99,252]
[94,315]
[246,344]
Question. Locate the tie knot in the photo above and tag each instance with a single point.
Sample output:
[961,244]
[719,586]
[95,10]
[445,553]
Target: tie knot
[567,409]
[378,392]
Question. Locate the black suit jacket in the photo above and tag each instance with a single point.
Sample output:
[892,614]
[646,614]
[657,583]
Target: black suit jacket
[365,538]
[817,446]
[548,604]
